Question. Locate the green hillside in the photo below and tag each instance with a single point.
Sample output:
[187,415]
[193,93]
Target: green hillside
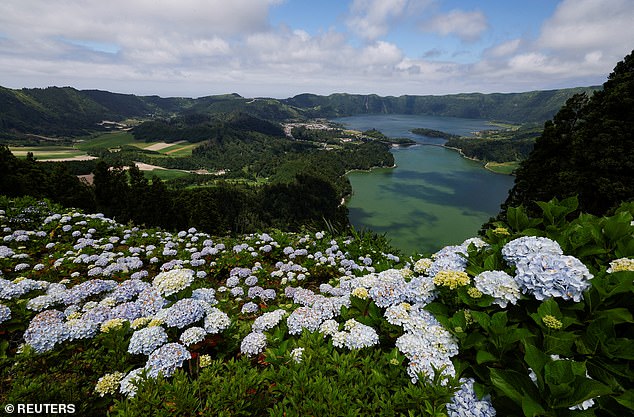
[67,112]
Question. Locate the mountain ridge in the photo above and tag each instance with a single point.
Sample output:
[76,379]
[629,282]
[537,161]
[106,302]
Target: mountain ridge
[66,111]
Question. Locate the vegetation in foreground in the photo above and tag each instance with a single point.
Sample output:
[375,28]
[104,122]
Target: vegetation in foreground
[534,319]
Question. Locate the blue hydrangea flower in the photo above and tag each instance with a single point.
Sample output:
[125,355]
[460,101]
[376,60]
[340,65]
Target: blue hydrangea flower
[519,248]
[166,359]
[184,312]
[389,288]
[128,385]
[465,402]
[546,275]
[150,301]
[128,311]
[147,340]
[46,330]
[449,258]
[216,321]
[193,335]
[5,313]
[128,289]
[81,329]
[499,285]
[80,292]
[268,320]
[249,308]
[304,318]
[205,294]
[253,344]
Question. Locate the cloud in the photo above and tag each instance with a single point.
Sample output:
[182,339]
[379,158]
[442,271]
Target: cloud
[468,26]
[582,25]
[133,25]
[504,49]
[371,19]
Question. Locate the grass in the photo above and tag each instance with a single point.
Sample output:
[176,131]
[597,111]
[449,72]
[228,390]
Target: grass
[179,150]
[47,152]
[117,139]
[107,141]
[506,168]
[166,174]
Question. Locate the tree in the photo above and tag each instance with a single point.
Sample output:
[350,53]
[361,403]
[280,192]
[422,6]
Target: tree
[586,150]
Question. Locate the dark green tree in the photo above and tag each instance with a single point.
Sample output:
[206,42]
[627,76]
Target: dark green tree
[586,150]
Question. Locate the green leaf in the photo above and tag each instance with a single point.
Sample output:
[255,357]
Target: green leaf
[514,385]
[559,343]
[617,315]
[484,356]
[536,359]
[584,389]
[517,218]
[626,399]
[532,408]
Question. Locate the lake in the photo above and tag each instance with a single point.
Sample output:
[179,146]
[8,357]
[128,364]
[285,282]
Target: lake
[434,197]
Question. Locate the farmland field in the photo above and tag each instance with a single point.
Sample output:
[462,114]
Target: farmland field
[47,152]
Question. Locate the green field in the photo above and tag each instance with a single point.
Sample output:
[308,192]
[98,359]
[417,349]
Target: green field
[506,168]
[47,152]
[166,174]
[112,140]
[107,141]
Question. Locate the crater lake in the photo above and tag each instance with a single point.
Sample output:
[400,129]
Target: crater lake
[433,197]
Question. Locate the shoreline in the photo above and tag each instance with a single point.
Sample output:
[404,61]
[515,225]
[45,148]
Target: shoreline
[368,170]
[484,164]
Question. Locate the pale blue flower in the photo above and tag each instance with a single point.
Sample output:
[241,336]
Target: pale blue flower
[519,248]
[546,275]
[184,313]
[193,335]
[147,340]
[253,344]
[166,359]
[499,285]
[5,313]
[465,402]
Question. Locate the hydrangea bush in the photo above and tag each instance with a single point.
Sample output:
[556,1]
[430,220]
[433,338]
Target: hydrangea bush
[533,318]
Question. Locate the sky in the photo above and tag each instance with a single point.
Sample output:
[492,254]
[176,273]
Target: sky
[281,48]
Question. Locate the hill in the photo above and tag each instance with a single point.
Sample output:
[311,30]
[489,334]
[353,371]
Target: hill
[587,149]
[65,111]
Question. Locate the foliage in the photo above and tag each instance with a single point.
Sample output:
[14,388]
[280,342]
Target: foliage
[502,147]
[553,356]
[586,150]
[66,111]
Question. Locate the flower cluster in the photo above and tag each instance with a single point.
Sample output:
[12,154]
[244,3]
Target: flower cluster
[5,313]
[621,264]
[166,359]
[451,279]
[109,383]
[147,340]
[193,335]
[253,344]
[171,282]
[499,285]
[518,249]
[546,275]
[465,402]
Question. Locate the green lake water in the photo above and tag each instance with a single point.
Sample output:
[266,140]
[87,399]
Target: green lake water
[434,197]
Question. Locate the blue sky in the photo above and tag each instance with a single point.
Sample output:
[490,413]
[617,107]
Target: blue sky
[280,48]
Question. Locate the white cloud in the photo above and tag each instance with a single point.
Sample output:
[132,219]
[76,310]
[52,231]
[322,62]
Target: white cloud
[504,49]
[468,26]
[579,25]
[199,47]
[371,19]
